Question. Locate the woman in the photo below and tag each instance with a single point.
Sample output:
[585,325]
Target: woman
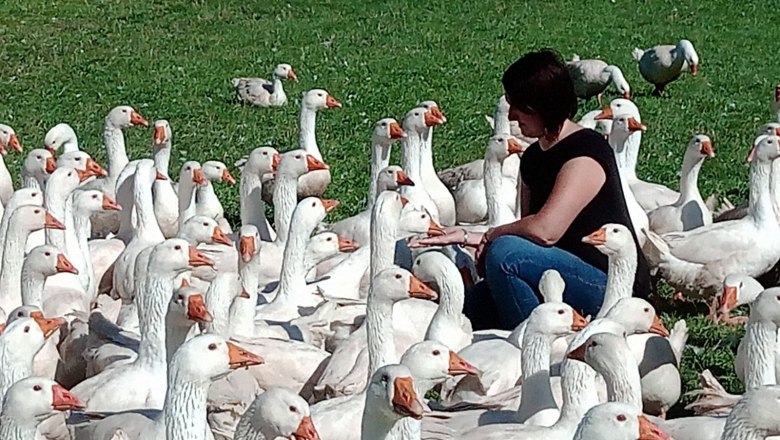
[570,188]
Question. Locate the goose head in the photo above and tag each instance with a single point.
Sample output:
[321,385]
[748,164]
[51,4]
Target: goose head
[201,229]
[279,412]
[248,243]
[33,400]
[36,218]
[296,163]
[313,210]
[769,128]
[124,116]
[619,106]
[432,266]
[47,260]
[24,312]
[435,110]
[39,163]
[757,412]
[285,71]
[607,353]
[738,289]
[617,421]
[416,221]
[612,239]
[319,99]
[387,131]
[396,284]
[209,357]
[392,177]
[555,319]
[191,170]
[61,136]
[691,57]
[637,316]
[26,335]
[162,134]
[174,256]
[93,200]
[262,160]
[700,147]
[390,394]
[81,160]
[26,196]
[766,307]
[188,305]
[215,171]
[624,125]
[431,363]
[66,179]
[419,119]
[552,286]
[766,148]
[616,76]
[502,146]
[326,244]
[9,140]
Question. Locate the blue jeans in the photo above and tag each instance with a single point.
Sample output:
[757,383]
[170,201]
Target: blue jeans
[513,267]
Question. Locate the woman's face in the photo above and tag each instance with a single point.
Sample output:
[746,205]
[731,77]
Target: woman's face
[530,122]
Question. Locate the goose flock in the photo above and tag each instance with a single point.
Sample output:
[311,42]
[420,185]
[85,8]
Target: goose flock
[132,308]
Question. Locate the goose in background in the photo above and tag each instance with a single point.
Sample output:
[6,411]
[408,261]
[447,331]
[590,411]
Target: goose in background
[660,65]
[263,93]
[591,78]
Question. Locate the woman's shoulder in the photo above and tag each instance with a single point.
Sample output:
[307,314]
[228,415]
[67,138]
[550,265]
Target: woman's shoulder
[587,142]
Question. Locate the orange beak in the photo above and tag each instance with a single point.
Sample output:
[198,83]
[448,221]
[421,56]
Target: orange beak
[329,204]
[63,400]
[63,265]
[241,358]
[306,430]
[434,230]
[159,176]
[275,161]
[110,205]
[49,149]
[196,309]
[598,238]
[13,143]
[137,119]
[313,164]
[694,69]
[728,299]
[227,177]
[198,259]
[347,245]
[159,134]
[418,289]
[577,322]
[431,120]
[184,283]
[291,75]
[405,401]
[514,146]
[2,328]
[331,102]
[51,165]
[437,112]
[606,113]
[401,179]
[197,177]
[458,366]
[95,169]
[627,95]
[578,353]
[48,326]
[658,327]
[634,125]
[50,222]
[219,237]
[246,247]
[777,93]
[649,431]
[396,132]
[244,294]
[706,149]
[404,201]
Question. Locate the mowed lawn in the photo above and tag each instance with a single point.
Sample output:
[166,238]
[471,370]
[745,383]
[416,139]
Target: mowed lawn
[72,61]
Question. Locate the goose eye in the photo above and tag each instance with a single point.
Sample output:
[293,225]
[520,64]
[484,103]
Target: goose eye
[297,156]
[422,216]
[313,204]
[95,196]
[436,352]
[384,124]
[561,311]
[27,329]
[385,379]
[594,344]
[124,110]
[265,153]
[48,254]
[34,195]
[37,211]
[293,409]
[647,310]
[78,159]
[205,224]
[389,171]
[37,388]
[180,297]
[189,168]
[621,418]
[38,157]
[398,276]
[20,314]
[615,230]
[212,347]
[70,174]
[740,284]
[329,239]
[177,247]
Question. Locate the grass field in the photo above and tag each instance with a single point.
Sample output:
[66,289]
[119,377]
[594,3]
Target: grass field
[72,61]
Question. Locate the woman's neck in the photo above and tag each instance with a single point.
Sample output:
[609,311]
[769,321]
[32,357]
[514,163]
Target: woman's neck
[550,140]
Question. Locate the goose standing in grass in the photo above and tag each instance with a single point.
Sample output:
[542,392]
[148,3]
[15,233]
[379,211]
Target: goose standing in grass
[591,78]
[689,211]
[264,93]
[61,137]
[8,141]
[663,64]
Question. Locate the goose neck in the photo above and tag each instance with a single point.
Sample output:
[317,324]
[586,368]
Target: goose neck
[285,199]
[161,155]
[251,202]
[380,159]
[492,177]
[451,292]
[501,125]
[11,429]
[308,138]
[689,179]
[217,300]
[759,199]
[176,331]
[535,356]
[760,338]
[578,386]
[376,424]
[774,189]
[208,201]
[411,160]
[114,141]
[379,327]
[620,279]
[57,203]
[186,200]
[293,275]
[13,259]
[32,284]
[426,153]
[17,365]
[184,411]
[384,229]
[77,232]
[147,225]
[151,302]
[626,148]
[739,427]
[623,381]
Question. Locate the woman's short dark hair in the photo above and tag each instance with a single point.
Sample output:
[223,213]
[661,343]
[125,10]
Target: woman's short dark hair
[539,82]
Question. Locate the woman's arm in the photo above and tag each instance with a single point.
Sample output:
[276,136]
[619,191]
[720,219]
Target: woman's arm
[578,182]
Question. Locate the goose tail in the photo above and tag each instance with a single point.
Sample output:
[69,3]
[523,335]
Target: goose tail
[637,53]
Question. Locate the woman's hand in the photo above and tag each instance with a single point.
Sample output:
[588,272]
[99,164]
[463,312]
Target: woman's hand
[453,235]
[487,238]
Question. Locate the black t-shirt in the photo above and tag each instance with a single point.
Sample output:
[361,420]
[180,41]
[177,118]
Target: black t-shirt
[539,170]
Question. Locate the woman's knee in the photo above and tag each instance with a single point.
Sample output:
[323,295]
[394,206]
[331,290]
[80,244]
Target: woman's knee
[505,252]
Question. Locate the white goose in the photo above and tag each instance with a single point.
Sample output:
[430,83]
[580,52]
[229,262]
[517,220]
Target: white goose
[166,201]
[37,165]
[20,342]
[31,401]
[617,421]
[689,211]
[207,202]
[439,193]
[61,137]
[415,124]
[623,127]
[663,64]
[20,197]
[264,93]
[261,161]
[190,178]
[277,412]
[8,141]
[591,78]
[390,397]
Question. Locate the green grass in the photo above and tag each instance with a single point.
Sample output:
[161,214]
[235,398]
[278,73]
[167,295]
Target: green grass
[72,61]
